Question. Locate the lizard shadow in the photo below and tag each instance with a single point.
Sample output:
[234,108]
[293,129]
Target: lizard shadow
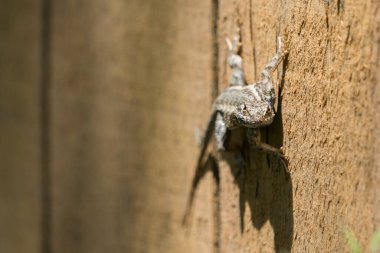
[264,182]
[265,185]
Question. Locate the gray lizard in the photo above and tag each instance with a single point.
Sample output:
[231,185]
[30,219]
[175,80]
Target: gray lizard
[241,105]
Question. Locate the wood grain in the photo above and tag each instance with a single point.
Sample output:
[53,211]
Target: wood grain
[325,124]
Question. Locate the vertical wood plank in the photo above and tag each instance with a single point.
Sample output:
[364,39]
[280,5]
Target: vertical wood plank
[20,209]
[375,60]
[326,126]
[127,84]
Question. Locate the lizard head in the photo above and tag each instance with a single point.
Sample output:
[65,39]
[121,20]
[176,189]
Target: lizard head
[255,115]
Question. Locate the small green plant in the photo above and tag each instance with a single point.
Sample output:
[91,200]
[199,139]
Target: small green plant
[354,245]
[375,242]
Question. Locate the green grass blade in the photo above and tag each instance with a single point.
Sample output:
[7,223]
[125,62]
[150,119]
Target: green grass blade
[353,242]
[375,242]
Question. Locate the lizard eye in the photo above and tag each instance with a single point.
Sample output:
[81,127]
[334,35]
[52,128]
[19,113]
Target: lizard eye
[245,110]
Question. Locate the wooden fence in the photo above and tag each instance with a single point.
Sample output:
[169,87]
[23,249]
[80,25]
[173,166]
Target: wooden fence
[99,101]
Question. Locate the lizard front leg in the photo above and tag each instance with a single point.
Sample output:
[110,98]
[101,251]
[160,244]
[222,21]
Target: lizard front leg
[268,148]
[253,135]
[220,132]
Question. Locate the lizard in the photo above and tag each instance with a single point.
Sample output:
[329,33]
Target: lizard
[241,105]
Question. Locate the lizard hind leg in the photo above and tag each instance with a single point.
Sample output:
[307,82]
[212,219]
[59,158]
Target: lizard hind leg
[275,61]
[234,45]
[235,61]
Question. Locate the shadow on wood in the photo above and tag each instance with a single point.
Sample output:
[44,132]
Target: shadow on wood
[263,180]
[265,184]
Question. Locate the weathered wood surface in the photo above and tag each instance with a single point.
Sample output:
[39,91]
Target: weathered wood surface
[20,198]
[131,81]
[326,126]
